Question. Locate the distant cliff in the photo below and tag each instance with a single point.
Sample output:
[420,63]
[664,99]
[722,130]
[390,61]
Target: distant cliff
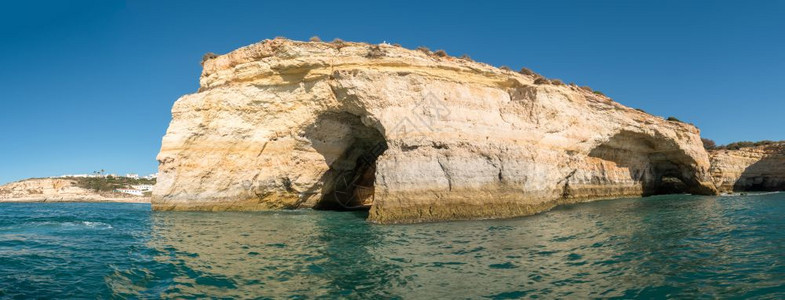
[416,135]
[59,190]
[756,168]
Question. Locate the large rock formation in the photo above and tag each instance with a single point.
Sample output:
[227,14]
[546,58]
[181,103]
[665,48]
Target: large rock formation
[58,190]
[415,135]
[760,168]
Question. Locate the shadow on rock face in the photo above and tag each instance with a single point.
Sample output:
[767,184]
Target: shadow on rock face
[350,149]
[657,164]
[767,174]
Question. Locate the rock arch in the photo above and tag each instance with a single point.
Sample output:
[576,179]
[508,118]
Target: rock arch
[350,149]
[635,163]
[285,124]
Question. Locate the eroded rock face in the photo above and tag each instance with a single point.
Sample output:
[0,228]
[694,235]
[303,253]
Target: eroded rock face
[285,124]
[759,168]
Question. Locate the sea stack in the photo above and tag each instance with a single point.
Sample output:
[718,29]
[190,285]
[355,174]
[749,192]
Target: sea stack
[415,135]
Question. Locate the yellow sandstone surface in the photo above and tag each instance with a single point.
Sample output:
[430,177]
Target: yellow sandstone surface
[760,168]
[417,137]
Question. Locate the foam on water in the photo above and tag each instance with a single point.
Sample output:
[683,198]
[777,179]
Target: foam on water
[749,194]
[72,224]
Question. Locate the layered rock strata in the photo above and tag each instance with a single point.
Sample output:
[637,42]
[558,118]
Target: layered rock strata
[416,136]
[760,168]
[59,190]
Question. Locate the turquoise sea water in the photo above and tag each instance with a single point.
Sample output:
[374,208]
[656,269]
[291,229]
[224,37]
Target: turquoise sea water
[666,246]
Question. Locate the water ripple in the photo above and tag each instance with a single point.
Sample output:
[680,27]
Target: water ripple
[658,247]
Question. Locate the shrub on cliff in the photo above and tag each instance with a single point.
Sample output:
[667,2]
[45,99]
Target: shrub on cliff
[748,144]
[208,56]
[708,144]
[440,53]
[598,93]
[557,82]
[375,51]
[315,38]
[739,145]
[506,68]
[674,119]
[109,183]
[541,80]
[339,43]
[765,143]
[424,49]
[466,57]
[527,71]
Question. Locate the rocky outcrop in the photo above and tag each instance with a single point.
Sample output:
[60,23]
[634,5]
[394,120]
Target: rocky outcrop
[58,190]
[760,168]
[414,135]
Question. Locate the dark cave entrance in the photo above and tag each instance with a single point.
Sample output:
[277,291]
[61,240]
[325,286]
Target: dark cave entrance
[667,174]
[657,165]
[353,188]
[351,148]
[670,185]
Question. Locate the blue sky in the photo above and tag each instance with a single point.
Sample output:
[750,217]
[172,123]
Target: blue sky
[88,85]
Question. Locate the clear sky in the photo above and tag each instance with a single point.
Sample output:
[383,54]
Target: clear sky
[88,85]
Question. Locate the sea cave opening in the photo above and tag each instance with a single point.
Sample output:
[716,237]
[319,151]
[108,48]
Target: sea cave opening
[668,175]
[351,149]
[658,166]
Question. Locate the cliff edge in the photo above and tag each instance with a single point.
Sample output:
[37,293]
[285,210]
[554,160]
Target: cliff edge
[59,190]
[414,135]
[757,168]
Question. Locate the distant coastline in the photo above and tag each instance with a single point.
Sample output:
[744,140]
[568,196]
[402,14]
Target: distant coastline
[85,200]
[72,189]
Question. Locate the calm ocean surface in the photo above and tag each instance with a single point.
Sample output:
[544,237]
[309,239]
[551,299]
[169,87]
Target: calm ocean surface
[666,246]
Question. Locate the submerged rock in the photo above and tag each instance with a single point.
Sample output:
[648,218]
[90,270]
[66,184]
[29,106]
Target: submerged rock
[415,136]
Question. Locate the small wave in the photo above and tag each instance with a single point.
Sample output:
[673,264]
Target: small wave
[763,193]
[97,225]
[749,194]
[73,224]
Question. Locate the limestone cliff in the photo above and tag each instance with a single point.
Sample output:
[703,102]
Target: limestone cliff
[58,190]
[760,168]
[414,135]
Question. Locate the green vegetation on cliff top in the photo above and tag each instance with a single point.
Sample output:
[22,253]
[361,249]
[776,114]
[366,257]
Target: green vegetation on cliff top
[109,183]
